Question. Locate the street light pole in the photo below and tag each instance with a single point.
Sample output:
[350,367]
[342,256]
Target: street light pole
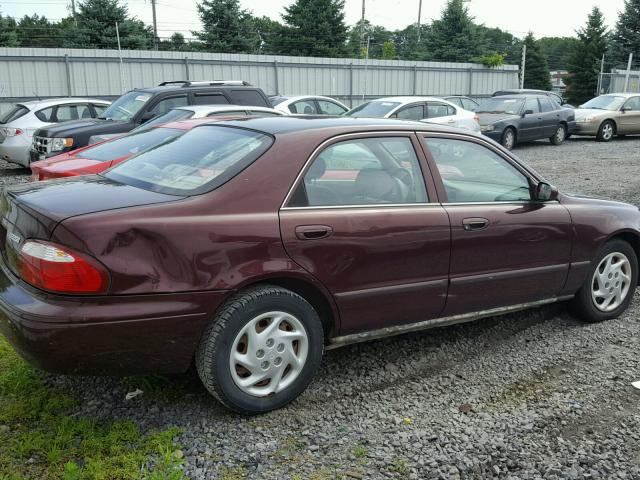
[155,25]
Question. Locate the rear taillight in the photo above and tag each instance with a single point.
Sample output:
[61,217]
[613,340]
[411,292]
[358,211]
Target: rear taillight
[59,269]
[476,118]
[12,132]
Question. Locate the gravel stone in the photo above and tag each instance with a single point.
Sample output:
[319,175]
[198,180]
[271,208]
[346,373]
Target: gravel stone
[551,397]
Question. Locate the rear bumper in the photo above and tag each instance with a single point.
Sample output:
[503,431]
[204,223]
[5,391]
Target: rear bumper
[12,150]
[155,333]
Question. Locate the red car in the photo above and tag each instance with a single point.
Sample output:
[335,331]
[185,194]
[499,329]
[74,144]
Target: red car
[241,246]
[99,157]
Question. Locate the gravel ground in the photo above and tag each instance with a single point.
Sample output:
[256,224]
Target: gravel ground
[526,396]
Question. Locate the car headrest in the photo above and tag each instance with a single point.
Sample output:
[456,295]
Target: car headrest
[317,169]
[376,184]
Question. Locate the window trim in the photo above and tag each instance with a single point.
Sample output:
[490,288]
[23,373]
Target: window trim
[427,177]
[531,176]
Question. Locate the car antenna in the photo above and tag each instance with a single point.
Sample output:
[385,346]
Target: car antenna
[36,95]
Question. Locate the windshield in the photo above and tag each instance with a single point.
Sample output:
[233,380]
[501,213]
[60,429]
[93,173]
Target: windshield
[605,102]
[198,161]
[511,106]
[126,107]
[130,144]
[13,114]
[376,108]
[174,115]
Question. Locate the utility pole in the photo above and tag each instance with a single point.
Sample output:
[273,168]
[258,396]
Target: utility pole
[120,55]
[73,12]
[524,64]
[600,77]
[419,17]
[366,73]
[628,72]
[362,26]
[155,25]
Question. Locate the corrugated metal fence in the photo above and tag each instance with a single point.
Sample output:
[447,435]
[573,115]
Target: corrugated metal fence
[26,73]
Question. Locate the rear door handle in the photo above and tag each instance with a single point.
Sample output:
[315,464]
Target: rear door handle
[313,232]
[478,223]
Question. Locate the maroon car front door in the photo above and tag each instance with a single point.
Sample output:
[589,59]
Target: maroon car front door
[363,222]
[506,249]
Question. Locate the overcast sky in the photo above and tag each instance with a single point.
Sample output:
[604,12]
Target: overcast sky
[542,17]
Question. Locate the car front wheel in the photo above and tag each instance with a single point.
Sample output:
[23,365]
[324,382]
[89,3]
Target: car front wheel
[509,138]
[560,135]
[606,131]
[609,287]
[261,350]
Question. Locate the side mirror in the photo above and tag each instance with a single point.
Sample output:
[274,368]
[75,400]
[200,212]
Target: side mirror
[527,112]
[625,109]
[545,192]
[146,116]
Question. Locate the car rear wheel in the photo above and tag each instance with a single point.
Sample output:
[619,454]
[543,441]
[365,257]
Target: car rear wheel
[560,135]
[261,350]
[609,287]
[509,138]
[606,131]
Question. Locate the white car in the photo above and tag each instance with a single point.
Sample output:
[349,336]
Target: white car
[18,124]
[308,105]
[425,109]
[194,111]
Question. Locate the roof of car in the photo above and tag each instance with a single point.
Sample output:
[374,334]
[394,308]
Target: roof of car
[224,108]
[190,123]
[33,104]
[521,96]
[177,86]
[408,99]
[624,95]
[293,98]
[289,124]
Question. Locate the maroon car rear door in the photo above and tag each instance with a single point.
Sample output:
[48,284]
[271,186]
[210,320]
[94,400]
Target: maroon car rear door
[361,219]
[506,249]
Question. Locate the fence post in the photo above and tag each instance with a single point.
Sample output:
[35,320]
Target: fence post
[186,68]
[470,89]
[67,68]
[351,84]
[415,79]
[276,76]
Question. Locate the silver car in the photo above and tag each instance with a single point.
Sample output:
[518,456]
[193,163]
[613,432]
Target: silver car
[18,124]
[609,115]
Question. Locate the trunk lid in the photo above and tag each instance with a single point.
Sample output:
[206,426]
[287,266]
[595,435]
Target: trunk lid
[33,210]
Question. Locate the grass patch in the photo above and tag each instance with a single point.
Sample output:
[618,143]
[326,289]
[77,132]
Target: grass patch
[400,466]
[38,439]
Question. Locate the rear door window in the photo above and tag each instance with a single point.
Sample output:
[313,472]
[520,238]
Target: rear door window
[436,109]
[330,108]
[532,105]
[210,99]
[469,105]
[304,107]
[13,114]
[546,105]
[247,97]
[166,104]
[65,113]
[414,112]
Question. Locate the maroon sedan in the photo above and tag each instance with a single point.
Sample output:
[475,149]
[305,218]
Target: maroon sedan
[241,246]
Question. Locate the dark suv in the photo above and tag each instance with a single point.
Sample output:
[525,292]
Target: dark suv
[141,105]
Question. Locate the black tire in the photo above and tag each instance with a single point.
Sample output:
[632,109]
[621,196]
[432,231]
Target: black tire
[606,131]
[212,357]
[509,138]
[583,306]
[559,136]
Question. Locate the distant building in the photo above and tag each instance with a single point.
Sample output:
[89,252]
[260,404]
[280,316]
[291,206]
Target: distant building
[557,80]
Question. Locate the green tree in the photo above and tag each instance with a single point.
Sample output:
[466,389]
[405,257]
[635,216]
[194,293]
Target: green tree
[389,50]
[377,35]
[626,35]
[266,30]
[558,51]
[96,27]
[37,31]
[497,41]
[313,28]
[8,33]
[227,28]
[584,64]
[537,68]
[455,37]
[411,42]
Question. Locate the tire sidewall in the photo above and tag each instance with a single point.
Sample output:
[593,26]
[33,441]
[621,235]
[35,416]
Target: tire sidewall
[504,138]
[554,138]
[588,309]
[601,131]
[228,391]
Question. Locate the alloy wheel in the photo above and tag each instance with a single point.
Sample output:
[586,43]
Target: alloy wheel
[560,134]
[268,353]
[607,131]
[611,282]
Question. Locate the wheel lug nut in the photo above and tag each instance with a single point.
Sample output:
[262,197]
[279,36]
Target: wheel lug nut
[264,365]
[277,361]
[280,347]
[260,353]
[270,342]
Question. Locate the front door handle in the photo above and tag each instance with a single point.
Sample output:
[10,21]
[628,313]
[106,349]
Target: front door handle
[313,232]
[478,223]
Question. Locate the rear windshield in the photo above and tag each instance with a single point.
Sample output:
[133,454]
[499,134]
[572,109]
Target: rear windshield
[198,161]
[372,109]
[130,144]
[13,114]
[174,115]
